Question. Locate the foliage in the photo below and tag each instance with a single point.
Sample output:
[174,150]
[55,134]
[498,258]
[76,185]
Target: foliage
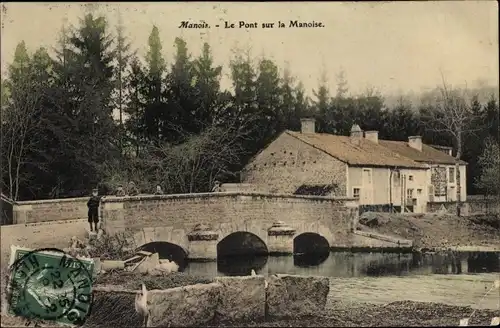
[97,114]
[116,247]
[490,163]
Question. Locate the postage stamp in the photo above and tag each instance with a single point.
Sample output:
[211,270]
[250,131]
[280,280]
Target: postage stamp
[50,285]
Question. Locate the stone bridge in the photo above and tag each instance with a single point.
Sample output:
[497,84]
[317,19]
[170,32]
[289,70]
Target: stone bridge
[200,224]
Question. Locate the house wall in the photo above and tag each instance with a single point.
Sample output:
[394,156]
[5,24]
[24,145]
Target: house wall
[419,184]
[451,196]
[380,184]
[287,163]
[381,187]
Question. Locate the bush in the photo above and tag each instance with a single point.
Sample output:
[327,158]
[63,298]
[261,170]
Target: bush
[116,247]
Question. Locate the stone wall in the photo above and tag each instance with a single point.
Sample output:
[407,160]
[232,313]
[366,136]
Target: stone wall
[171,218]
[228,299]
[483,205]
[449,207]
[288,163]
[50,210]
[39,235]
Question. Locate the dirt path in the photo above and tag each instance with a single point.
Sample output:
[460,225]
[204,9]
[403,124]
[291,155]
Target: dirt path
[435,230]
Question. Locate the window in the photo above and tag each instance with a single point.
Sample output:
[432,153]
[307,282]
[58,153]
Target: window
[396,176]
[410,177]
[355,192]
[451,173]
[419,191]
[367,176]
[409,193]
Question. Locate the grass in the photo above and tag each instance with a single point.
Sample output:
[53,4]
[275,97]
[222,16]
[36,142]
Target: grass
[133,280]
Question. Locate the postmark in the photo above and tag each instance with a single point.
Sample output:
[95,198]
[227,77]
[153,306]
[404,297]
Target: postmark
[50,285]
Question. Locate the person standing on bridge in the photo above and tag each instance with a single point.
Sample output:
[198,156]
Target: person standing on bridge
[132,189]
[216,187]
[93,205]
[158,191]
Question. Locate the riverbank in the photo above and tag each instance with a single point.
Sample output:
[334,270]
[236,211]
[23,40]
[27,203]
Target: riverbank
[400,314]
[395,314]
[436,231]
[434,300]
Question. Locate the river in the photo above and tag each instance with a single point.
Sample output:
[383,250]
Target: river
[380,277]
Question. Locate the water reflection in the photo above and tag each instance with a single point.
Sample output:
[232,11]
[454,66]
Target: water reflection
[484,262]
[309,260]
[241,265]
[346,264]
[310,243]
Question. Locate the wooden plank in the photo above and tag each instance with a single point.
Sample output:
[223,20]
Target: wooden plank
[137,264]
[136,257]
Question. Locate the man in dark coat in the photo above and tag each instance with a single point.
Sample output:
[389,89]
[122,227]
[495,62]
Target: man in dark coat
[93,205]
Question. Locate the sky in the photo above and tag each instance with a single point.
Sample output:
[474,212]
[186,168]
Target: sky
[390,46]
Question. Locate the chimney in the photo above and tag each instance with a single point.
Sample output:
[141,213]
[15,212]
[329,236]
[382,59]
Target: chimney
[356,134]
[415,142]
[372,136]
[308,125]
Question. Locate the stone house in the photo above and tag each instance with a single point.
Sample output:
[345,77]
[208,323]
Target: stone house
[382,174]
[324,164]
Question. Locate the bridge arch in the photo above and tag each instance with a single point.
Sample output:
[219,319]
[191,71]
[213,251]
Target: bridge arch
[169,251]
[310,242]
[241,243]
[310,249]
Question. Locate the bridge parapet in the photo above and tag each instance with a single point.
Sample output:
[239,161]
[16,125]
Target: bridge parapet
[172,218]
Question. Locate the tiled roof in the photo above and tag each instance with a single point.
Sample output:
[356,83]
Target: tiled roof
[366,153]
[427,155]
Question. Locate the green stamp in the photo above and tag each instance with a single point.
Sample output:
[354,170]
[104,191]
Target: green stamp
[48,284]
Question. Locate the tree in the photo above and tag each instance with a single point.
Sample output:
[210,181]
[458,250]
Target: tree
[321,104]
[490,163]
[290,115]
[24,89]
[80,133]
[269,115]
[243,77]
[136,85]
[453,115]
[92,48]
[206,82]
[195,164]
[155,104]
[123,56]
[183,95]
[342,86]
[154,57]
[302,103]
[399,122]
